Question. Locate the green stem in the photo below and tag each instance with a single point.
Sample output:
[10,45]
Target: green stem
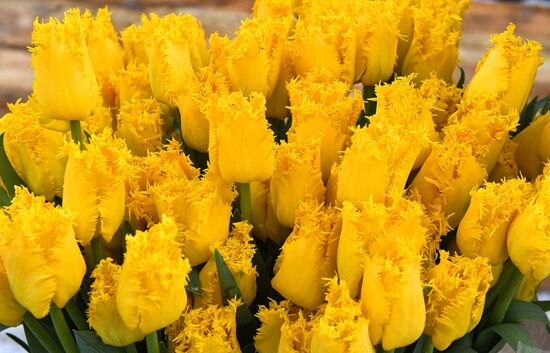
[131,349]
[76,134]
[501,283]
[152,343]
[76,315]
[41,334]
[427,346]
[97,250]
[505,297]
[63,332]
[246,205]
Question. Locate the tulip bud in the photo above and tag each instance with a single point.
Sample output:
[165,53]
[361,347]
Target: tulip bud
[296,178]
[11,312]
[532,144]
[191,105]
[455,301]
[311,247]
[241,143]
[150,293]
[212,329]
[64,85]
[323,108]
[447,96]
[134,39]
[507,71]
[94,186]
[482,231]
[377,36]
[237,251]
[33,150]
[105,51]
[103,314]
[139,123]
[40,254]
[341,327]
[264,219]
[176,50]
[132,82]
[529,233]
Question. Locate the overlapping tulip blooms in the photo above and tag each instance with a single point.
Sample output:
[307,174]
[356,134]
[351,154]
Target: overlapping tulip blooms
[320,181]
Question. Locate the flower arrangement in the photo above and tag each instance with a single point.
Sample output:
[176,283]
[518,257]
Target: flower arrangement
[161,192]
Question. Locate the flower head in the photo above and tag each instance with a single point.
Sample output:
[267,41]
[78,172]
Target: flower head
[139,123]
[11,312]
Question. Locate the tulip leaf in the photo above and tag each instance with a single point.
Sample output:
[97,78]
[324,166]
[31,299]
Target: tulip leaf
[194,284]
[3,327]
[5,199]
[544,305]
[460,349]
[460,83]
[543,105]
[34,345]
[513,334]
[526,116]
[162,347]
[7,173]
[519,311]
[89,342]
[19,341]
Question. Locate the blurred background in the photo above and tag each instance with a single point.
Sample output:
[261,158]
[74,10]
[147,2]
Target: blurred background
[532,18]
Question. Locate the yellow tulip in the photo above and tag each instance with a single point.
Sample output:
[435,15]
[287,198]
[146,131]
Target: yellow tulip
[105,51]
[103,314]
[11,312]
[528,289]
[212,329]
[241,143]
[132,82]
[33,150]
[323,108]
[40,253]
[279,9]
[272,319]
[405,31]
[447,96]
[264,218]
[94,186]
[507,71]
[134,39]
[377,36]
[325,38]
[296,334]
[201,209]
[482,231]
[64,85]
[192,102]
[308,255]
[150,293]
[456,297]
[100,119]
[278,102]
[139,123]
[529,234]
[296,178]
[532,144]
[176,50]
[341,327]
[237,251]
[506,166]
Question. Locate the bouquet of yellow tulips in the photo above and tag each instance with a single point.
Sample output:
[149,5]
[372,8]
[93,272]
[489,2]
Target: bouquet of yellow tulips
[316,183]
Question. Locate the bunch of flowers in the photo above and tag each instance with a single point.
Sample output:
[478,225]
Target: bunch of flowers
[166,193]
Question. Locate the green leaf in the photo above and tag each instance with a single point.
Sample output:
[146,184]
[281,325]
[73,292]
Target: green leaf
[544,305]
[3,327]
[513,334]
[460,83]
[543,105]
[519,311]
[162,347]
[526,116]
[5,199]
[460,349]
[89,342]
[34,345]
[7,173]
[19,341]
[194,284]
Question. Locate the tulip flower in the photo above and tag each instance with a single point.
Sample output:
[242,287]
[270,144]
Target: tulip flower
[341,327]
[241,144]
[506,166]
[65,84]
[105,51]
[201,209]
[103,315]
[456,297]
[134,39]
[139,123]
[297,177]
[528,289]
[192,103]
[532,147]
[507,71]
[11,312]
[377,36]
[272,319]
[447,96]
[296,334]
[176,50]
[100,119]
[311,247]
[279,9]
[40,253]
[264,219]
[132,82]
[529,234]
[33,151]
[482,231]
[237,251]
[323,108]
[212,329]
[94,186]
[151,284]
[278,102]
